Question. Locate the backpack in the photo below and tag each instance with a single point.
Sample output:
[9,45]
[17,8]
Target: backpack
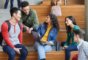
[9,25]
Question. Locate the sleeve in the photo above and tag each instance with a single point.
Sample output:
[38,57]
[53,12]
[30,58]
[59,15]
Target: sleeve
[36,22]
[39,30]
[54,36]
[68,39]
[5,34]
[76,27]
[85,48]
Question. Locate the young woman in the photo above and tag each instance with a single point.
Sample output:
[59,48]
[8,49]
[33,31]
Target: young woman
[70,45]
[48,32]
[55,7]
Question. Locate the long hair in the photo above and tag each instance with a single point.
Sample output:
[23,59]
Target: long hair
[54,21]
[68,28]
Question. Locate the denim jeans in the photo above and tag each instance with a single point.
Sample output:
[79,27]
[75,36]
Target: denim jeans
[7,2]
[11,53]
[18,2]
[11,3]
[68,50]
[42,49]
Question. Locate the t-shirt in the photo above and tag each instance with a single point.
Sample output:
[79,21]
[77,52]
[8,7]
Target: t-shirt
[56,10]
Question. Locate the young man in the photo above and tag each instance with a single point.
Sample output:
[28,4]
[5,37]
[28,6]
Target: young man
[12,36]
[29,17]
[82,45]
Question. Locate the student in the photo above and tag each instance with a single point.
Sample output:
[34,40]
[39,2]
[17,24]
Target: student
[55,7]
[12,36]
[48,32]
[82,45]
[29,17]
[69,45]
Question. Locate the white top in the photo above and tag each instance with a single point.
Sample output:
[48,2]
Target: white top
[56,10]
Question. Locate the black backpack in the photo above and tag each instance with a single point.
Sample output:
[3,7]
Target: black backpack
[8,23]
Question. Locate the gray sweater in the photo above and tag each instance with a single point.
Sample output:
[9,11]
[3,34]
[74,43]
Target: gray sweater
[82,50]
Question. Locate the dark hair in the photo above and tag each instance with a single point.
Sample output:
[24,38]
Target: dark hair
[24,4]
[52,2]
[79,32]
[68,28]
[14,10]
[54,20]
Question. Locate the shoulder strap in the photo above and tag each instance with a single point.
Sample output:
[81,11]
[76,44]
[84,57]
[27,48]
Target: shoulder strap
[8,23]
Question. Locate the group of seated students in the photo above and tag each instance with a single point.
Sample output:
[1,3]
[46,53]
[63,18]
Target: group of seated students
[25,19]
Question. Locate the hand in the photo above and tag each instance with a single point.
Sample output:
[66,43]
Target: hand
[30,30]
[43,41]
[50,43]
[65,47]
[17,50]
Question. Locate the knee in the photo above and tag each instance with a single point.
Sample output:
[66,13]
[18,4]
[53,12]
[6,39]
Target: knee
[12,54]
[67,49]
[67,52]
[24,52]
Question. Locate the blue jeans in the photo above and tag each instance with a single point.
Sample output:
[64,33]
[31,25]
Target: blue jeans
[19,3]
[11,53]
[11,3]
[7,2]
[42,49]
[68,50]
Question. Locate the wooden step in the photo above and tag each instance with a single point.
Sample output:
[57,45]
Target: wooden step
[54,55]
[65,9]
